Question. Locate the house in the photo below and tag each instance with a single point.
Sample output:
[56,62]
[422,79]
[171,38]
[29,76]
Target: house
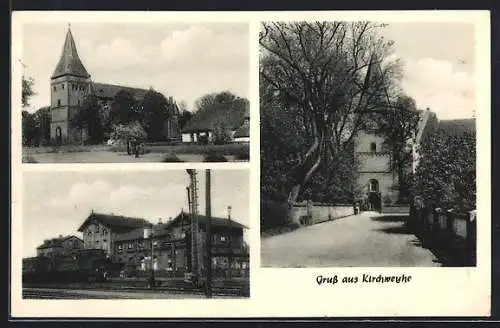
[173,248]
[230,116]
[71,83]
[60,246]
[101,230]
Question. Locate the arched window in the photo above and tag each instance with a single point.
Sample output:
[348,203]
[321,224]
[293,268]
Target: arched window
[373,185]
[373,147]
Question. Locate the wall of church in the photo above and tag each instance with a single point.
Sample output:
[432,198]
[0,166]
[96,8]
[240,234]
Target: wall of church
[373,162]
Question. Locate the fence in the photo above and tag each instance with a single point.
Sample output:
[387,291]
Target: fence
[450,233]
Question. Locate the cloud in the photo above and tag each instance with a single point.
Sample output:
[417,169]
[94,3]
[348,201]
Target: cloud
[198,46]
[435,84]
[119,54]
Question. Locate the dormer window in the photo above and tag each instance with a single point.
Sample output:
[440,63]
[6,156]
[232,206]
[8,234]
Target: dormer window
[373,147]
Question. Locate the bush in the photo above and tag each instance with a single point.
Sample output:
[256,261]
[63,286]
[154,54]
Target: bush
[214,157]
[306,220]
[172,158]
[273,214]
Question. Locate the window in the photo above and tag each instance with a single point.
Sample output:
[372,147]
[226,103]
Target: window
[373,185]
[58,102]
[119,247]
[130,246]
[96,228]
[104,232]
[78,102]
[222,238]
[55,88]
[62,85]
[373,147]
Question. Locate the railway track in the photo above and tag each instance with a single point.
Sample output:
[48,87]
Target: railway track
[115,291]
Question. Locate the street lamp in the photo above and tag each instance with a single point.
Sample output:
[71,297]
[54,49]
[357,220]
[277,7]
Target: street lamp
[152,279]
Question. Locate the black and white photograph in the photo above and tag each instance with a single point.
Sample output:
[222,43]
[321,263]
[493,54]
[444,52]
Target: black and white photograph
[170,234]
[135,92]
[368,144]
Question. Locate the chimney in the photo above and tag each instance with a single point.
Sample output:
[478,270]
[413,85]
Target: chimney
[160,220]
[60,236]
[427,109]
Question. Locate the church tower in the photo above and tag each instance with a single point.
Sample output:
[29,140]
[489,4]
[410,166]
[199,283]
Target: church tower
[69,85]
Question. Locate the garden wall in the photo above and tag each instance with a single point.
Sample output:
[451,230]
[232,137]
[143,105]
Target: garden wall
[318,212]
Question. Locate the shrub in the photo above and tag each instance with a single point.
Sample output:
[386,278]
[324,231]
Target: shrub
[172,158]
[214,157]
[306,220]
[273,214]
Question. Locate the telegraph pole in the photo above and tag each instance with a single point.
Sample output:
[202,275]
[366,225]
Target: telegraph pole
[230,257]
[208,261]
[151,236]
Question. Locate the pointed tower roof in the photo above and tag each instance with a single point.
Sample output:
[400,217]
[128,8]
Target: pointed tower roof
[70,63]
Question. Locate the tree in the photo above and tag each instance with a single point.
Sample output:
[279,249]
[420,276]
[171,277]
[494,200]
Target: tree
[88,118]
[27,91]
[210,99]
[185,116]
[30,127]
[43,118]
[446,174]
[124,108]
[333,76]
[154,110]
[399,128]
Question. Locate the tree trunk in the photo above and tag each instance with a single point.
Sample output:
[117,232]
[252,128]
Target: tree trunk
[305,170]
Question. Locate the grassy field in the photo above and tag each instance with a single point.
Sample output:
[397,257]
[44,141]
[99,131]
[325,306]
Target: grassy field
[152,153]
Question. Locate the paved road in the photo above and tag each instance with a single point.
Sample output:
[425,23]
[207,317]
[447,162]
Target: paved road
[366,240]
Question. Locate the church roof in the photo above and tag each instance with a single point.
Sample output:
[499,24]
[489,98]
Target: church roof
[70,63]
[105,90]
[458,126]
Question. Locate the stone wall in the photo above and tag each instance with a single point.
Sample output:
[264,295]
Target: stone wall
[319,212]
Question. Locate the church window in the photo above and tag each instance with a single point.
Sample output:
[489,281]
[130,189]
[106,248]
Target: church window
[373,147]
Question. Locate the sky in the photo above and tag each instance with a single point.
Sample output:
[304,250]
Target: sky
[57,203]
[181,60]
[439,65]
[187,61]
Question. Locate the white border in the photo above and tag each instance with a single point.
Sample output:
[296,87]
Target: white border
[279,292]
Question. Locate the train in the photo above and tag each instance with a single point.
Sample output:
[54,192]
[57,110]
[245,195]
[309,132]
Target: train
[89,265]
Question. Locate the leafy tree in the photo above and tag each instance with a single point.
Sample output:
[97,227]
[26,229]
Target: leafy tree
[128,131]
[399,128]
[221,133]
[210,99]
[27,91]
[43,118]
[332,76]
[30,127]
[185,116]
[446,174]
[124,108]
[88,118]
[154,110]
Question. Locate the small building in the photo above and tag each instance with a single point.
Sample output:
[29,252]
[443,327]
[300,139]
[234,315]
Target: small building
[60,246]
[229,116]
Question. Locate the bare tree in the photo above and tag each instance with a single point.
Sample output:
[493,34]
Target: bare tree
[336,74]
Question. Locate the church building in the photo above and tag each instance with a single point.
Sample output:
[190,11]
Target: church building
[71,83]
